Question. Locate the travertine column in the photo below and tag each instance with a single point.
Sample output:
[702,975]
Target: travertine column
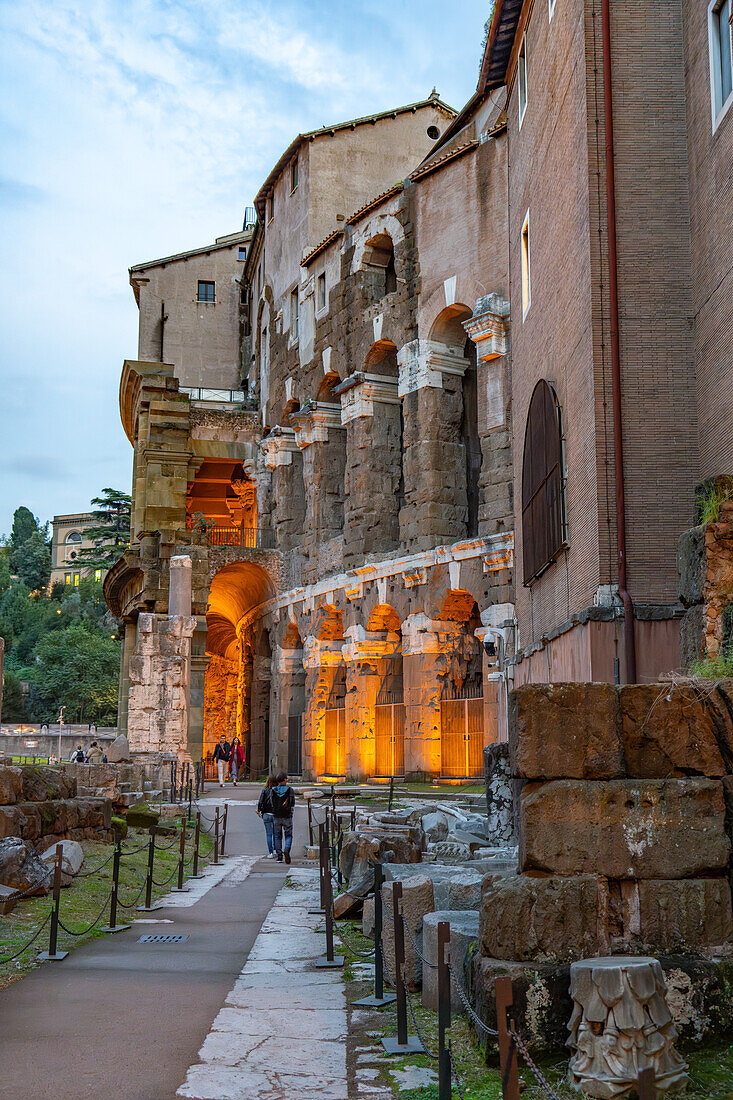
[321,661]
[129,632]
[288,699]
[431,388]
[428,651]
[282,456]
[371,412]
[158,701]
[321,437]
[365,653]
[260,749]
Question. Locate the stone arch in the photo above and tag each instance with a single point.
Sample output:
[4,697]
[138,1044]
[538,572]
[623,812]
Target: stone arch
[325,390]
[327,624]
[236,590]
[459,606]
[384,617]
[382,359]
[378,264]
[291,636]
[290,407]
[447,328]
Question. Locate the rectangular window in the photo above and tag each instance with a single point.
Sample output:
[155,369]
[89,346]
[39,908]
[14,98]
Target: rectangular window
[294,313]
[67,578]
[526,275]
[322,290]
[293,176]
[76,580]
[242,253]
[522,79]
[206,291]
[721,58]
[97,574]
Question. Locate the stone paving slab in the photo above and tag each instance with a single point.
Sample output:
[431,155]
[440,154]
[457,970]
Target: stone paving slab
[282,1030]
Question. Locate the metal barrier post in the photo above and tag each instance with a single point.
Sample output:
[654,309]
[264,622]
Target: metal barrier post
[339,844]
[379,1000]
[190,797]
[53,954]
[310,825]
[321,871]
[180,888]
[149,879]
[404,1043]
[391,792]
[113,926]
[216,838]
[353,819]
[444,1066]
[507,1046]
[329,960]
[647,1086]
[224,828]
[196,839]
[333,798]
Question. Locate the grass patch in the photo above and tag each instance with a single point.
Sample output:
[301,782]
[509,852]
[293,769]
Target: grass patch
[82,902]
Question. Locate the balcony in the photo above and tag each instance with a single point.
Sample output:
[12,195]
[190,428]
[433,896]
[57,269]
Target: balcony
[220,397]
[246,538]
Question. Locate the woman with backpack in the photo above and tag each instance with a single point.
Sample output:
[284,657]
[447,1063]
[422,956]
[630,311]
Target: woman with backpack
[283,803]
[236,760]
[264,809]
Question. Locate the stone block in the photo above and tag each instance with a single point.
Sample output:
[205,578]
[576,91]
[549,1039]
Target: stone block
[534,919]
[653,828]
[119,750]
[33,818]
[541,1007]
[10,786]
[670,730]
[559,731]
[8,900]
[361,849]
[677,915]
[367,918]
[38,784]
[417,900]
[12,821]
[464,928]
[21,867]
[691,565]
[453,887]
[72,858]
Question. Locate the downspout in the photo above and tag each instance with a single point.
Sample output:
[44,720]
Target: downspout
[618,446]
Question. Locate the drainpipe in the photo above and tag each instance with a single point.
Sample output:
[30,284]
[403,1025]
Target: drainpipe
[618,446]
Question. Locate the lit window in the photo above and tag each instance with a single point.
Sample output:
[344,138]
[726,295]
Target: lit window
[526,274]
[294,313]
[67,578]
[242,253]
[322,290]
[206,291]
[552,7]
[76,580]
[293,175]
[522,79]
[721,58]
[97,574]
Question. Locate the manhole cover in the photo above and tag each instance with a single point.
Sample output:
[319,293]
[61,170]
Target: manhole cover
[162,939]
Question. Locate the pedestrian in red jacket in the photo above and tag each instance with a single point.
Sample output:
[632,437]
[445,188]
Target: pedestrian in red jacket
[236,760]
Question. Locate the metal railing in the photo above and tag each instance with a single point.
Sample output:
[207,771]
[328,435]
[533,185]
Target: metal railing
[216,396]
[248,538]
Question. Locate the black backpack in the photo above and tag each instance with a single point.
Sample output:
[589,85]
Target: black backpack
[280,802]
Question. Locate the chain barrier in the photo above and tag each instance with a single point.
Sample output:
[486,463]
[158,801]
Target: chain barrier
[541,1079]
[88,874]
[165,847]
[165,881]
[471,1012]
[454,1071]
[347,945]
[34,937]
[418,952]
[408,998]
[84,931]
[134,901]
[30,890]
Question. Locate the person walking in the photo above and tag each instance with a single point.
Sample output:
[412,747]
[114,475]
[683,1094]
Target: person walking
[221,758]
[236,760]
[264,809]
[95,754]
[283,804]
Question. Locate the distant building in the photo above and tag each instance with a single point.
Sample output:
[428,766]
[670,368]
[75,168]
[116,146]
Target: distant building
[68,540]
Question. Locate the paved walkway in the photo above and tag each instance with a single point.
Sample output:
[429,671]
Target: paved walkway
[121,1018]
[283,1028]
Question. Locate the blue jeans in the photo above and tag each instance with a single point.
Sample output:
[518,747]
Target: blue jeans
[269,820]
[283,825]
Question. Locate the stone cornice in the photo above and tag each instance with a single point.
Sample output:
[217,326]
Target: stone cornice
[313,423]
[360,392]
[489,327]
[278,448]
[423,363]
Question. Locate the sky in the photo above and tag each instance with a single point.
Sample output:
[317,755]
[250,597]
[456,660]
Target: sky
[132,129]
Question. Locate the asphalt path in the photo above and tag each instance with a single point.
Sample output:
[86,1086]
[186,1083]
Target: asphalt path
[125,1019]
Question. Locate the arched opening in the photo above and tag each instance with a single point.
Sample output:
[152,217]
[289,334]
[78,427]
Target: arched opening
[73,545]
[462,697]
[291,676]
[291,407]
[384,617]
[326,388]
[382,359]
[221,501]
[235,591]
[380,274]
[389,709]
[543,535]
[328,624]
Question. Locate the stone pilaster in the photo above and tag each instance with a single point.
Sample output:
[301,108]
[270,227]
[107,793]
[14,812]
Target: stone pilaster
[260,748]
[431,388]
[158,700]
[282,456]
[429,648]
[373,487]
[365,654]
[288,700]
[321,437]
[321,661]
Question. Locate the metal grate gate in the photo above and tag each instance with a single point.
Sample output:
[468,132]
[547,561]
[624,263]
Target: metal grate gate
[295,744]
[461,738]
[389,738]
[335,727]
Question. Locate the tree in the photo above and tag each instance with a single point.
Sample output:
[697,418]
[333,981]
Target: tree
[78,669]
[26,528]
[110,532]
[34,562]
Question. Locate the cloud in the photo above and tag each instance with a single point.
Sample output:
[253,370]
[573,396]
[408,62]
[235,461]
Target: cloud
[17,193]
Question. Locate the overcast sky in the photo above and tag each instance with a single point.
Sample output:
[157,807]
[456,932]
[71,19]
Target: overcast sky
[131,129]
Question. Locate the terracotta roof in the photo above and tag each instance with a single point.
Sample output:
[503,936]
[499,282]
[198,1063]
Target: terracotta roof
[438,162]
[499,44]
[329,131]
[355,217]
[321,247]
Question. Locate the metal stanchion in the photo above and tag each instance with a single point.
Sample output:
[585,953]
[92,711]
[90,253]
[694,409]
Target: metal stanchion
[380,999]
[53,954]
[507,1046]
[216,837]
[310,824]
[339,844]
[113,926]
[190,797]
[224,828]
[329,960]
[391,792]
[196,840]
[180,888]
[333,797]
[403,1043]
[444,1074]
[322,872]
[148,906]
[647,1087]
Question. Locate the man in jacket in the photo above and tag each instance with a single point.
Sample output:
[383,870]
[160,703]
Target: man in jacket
[95,754]
[222,753]
[282,799]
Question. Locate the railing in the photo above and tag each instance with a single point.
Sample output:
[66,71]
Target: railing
[248,538]
[226,397]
